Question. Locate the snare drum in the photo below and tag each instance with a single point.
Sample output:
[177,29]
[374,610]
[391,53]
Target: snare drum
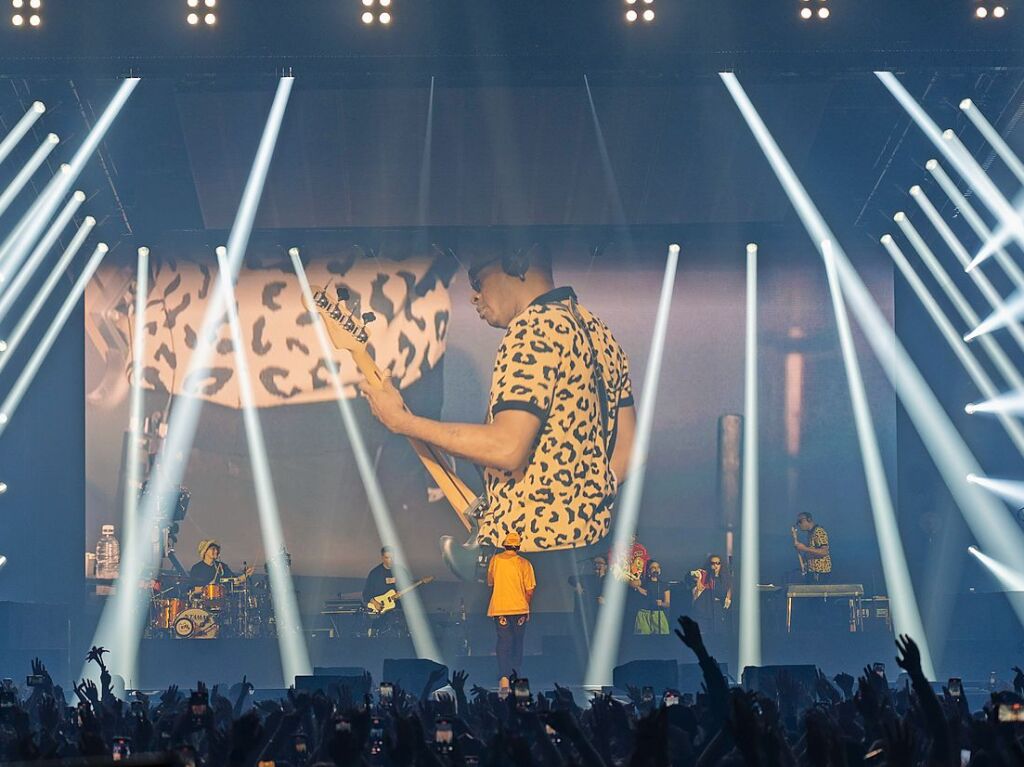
[165,612]
[209,591]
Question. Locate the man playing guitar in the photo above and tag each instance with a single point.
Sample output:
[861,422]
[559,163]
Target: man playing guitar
[556,440]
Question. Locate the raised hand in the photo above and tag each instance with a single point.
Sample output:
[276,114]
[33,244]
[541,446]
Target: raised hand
[170,696]
[39,669]
[689,634]
[458,680]
[845,683]
[91,693]
[909,658]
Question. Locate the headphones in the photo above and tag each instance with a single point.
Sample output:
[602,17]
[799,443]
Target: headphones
[516,263]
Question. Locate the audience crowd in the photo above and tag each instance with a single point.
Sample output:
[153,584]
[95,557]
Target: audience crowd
[840,723]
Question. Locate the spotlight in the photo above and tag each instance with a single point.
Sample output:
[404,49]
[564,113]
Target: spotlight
[385,18]
[3,488]
[367,3]
[19,19]
[823,13]
[367,18]
[985,9]
[3,561]
[969,408]
[201,11]
[385,3]
[632,14]
[807,12]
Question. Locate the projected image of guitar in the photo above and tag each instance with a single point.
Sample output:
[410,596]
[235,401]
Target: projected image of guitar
[388,601]
[347,330]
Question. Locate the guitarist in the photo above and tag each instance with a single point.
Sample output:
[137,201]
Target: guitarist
[559,427]
[379,581]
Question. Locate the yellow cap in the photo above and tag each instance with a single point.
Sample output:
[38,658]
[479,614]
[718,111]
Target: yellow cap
[512,540]
[204,545]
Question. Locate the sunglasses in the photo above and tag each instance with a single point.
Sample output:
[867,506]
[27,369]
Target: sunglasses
[474,273]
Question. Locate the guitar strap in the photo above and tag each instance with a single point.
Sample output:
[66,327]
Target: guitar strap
[597,370]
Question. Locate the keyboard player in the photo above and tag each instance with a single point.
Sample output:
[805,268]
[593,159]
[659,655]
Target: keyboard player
[815,551]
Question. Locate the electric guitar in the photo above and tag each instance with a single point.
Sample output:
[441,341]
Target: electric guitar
[388,601]
[347,331]
[799,556]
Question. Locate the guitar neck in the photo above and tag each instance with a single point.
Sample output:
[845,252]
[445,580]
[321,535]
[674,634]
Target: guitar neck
[436,463]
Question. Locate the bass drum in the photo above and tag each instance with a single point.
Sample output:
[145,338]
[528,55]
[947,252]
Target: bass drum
[196,624]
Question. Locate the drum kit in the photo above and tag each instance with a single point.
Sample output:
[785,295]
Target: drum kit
[237,608]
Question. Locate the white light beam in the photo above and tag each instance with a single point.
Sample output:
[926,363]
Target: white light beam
[605,649]
[967,314]
[27,171]
[42,296]
[28,374]
[750,540]
[419,626]
[20,129]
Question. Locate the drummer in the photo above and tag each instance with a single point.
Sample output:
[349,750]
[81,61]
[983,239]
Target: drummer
[209,568]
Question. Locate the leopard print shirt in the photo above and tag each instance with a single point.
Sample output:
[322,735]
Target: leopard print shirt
[562,499]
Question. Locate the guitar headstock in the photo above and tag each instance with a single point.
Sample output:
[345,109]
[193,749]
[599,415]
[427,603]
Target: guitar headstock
[346,328]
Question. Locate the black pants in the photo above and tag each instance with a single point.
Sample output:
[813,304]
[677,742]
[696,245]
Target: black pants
[511,633]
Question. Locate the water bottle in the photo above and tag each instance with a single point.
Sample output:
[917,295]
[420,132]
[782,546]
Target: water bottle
[108,554]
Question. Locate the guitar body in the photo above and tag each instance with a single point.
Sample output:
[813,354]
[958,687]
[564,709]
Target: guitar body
[385,603]
[388,601]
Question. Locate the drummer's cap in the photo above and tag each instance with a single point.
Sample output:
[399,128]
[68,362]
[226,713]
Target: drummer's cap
[204,545]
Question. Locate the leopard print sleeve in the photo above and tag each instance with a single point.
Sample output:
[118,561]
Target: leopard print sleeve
[526,368]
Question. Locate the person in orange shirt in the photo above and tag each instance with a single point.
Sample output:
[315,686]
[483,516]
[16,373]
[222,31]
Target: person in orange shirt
[512,583]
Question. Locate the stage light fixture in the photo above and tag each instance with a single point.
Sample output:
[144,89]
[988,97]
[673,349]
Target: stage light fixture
[633,15]
[201,11]
[808,12]
[370,15]
[3,488]
[20,18]
[985,9]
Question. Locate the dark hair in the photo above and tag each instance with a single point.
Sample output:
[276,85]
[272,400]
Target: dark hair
[385,550]
[804,515]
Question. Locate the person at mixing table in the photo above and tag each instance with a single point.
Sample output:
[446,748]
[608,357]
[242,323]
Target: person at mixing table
[209,568]
[815,553]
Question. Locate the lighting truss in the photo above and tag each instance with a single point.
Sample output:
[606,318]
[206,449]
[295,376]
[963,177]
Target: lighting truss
[376,12]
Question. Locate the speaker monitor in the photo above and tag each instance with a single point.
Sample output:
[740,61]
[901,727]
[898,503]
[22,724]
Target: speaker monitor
[356,680]
[763,679]
[412,674]
[660,674]
[691,676]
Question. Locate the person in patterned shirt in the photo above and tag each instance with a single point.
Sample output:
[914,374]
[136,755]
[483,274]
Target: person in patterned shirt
[556,440]
[816,550]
